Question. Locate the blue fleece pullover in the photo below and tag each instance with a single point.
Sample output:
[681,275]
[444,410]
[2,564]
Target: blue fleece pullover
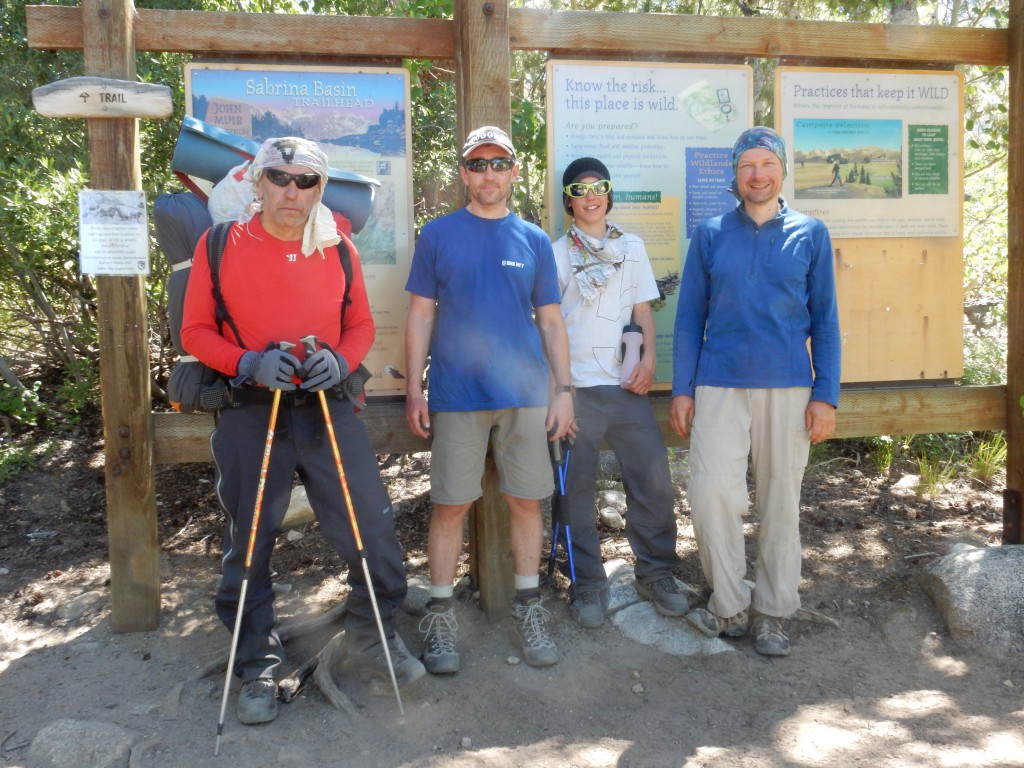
[750,298]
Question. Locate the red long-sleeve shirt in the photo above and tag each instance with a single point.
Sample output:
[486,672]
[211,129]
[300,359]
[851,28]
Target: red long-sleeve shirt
[273,293]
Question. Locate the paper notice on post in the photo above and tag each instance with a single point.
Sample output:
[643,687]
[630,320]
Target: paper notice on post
[113,232]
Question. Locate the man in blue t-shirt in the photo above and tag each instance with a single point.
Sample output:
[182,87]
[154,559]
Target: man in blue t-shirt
[484,304]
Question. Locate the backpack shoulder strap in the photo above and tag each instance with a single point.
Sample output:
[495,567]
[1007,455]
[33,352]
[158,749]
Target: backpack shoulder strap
[346,267]
[216,241]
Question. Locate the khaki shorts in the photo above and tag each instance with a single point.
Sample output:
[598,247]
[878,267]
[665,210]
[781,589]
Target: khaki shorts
[519,442]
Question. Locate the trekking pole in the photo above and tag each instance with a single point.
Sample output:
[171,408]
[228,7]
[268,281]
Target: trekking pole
[560,450]
[309,342]
[284,345]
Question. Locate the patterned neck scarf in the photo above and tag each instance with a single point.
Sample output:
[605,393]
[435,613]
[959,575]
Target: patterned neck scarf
[595,260]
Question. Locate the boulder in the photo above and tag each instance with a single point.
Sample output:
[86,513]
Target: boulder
[980,594]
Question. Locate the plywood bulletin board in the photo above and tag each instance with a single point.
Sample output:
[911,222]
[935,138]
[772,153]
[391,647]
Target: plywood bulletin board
[877,155]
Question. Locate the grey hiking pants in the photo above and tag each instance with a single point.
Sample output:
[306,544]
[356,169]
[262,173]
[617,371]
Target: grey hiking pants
[625,420]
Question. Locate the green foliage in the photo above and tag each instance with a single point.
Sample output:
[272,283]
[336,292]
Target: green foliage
[881,451]
[935,475]
[23,408]
[988,458]
[79,391]
[14,457]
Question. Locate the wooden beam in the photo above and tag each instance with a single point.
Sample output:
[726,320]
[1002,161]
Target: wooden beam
[630,34]
[124,345]
[862,413]
[184,438]
[565,32]
[898,411]
[223,33]
[1013,507]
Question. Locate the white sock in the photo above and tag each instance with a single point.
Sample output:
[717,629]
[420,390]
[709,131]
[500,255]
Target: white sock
[527,582]
[441,592]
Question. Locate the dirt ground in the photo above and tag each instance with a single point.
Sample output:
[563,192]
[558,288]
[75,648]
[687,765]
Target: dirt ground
[886,687]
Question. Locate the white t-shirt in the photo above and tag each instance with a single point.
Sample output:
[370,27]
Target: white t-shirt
[595,329]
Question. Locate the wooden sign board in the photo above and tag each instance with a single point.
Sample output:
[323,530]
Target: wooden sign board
[102,97]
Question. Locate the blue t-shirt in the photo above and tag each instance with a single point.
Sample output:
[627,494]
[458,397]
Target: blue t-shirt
[487,276]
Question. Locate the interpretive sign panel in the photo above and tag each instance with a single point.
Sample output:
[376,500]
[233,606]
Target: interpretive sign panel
[875,153]
[666,132]
[360,118]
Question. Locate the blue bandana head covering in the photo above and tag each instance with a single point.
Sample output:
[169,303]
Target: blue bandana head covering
[760,137]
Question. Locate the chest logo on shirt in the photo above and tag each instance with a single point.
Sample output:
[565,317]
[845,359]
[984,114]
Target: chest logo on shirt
[510,263]
[292,257]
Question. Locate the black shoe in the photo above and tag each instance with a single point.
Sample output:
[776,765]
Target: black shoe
[257,701]
[589,606]
[371,662]
[665,595]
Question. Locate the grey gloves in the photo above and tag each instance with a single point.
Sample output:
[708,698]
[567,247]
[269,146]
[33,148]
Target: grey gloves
[273,368]
[323,369]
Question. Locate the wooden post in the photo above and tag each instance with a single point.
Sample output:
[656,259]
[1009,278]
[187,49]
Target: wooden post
[482,71]
[1013,510]
[109,45]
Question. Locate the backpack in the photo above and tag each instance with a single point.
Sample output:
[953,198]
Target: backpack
[195,387]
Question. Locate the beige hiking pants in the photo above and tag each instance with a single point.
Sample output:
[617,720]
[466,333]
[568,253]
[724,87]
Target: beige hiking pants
[767,425]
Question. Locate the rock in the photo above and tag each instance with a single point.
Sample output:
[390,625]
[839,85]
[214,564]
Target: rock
[980,595]
[610,517]
[76,743]
[299,511]
[640,622]
[76,608]
[293,536]
[418,596]
[614,499]
[466,742]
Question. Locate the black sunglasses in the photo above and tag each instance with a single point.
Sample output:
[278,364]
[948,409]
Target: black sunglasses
[499,164]
[281,178]
[580,189]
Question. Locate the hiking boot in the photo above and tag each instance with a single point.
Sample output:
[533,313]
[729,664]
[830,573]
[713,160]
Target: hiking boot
[257,701]
[371,663]
[664,594]
[707,623]
[589,607]
[531,620]
[770,639]
[439,627]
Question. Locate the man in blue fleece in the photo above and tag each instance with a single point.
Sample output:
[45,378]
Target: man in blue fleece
[757,284]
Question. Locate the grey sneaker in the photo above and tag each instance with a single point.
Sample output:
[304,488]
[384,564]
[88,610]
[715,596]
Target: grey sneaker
[439,627]
[531,620]
[664,594]
[707,623]
[257,701]
[371,662]
[589,607]
[770,639]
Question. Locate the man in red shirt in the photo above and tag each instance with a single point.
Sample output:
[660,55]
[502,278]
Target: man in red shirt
[281,280]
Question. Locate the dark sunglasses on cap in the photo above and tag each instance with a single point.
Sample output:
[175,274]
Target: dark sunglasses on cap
[580,189]
[281,178]
[499,164]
